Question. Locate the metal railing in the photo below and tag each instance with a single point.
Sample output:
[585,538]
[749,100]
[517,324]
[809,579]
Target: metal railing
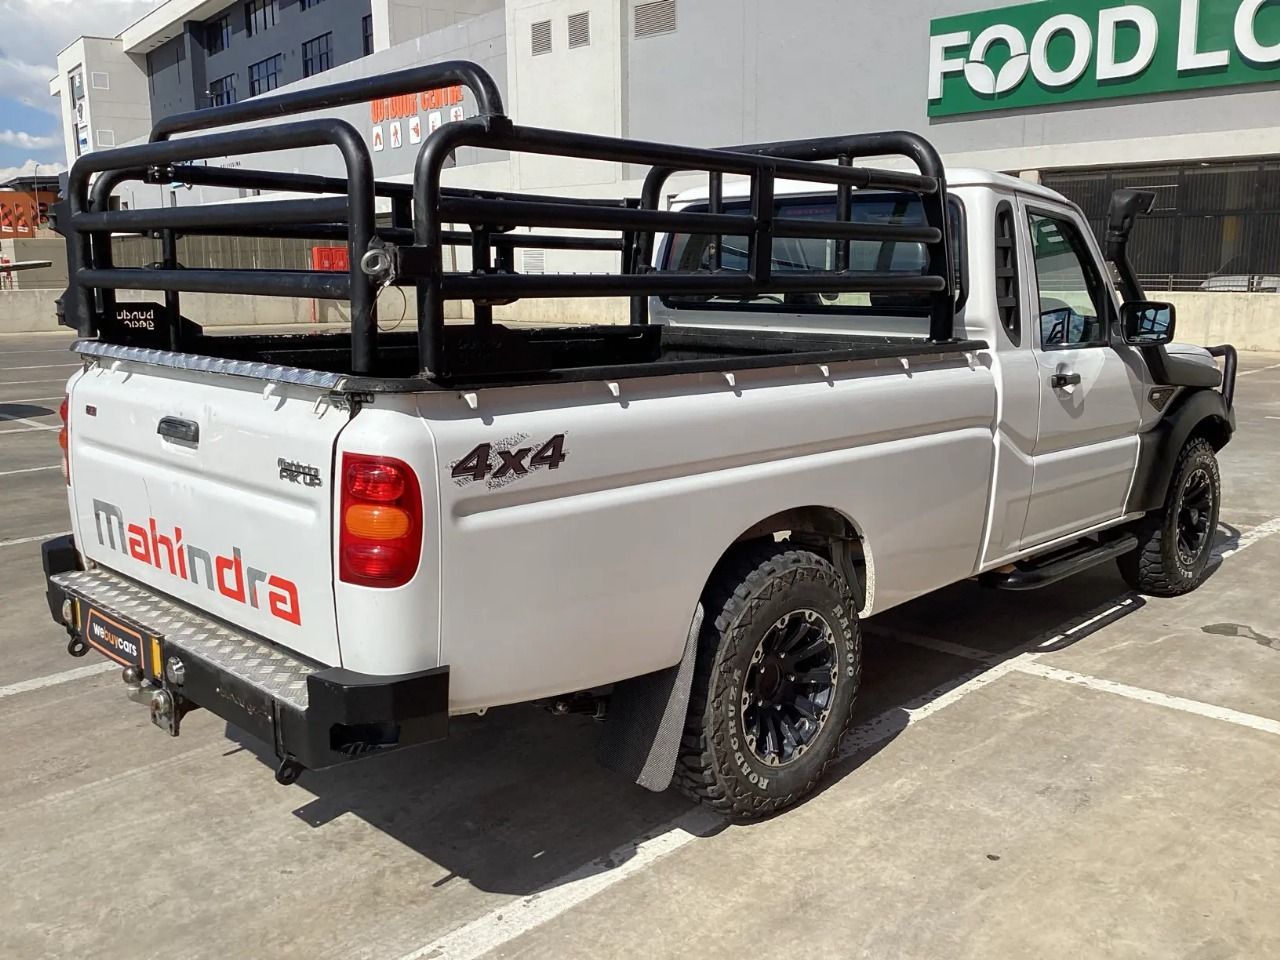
[409,251]
[1212,283]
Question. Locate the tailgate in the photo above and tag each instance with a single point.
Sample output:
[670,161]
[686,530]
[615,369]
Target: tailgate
[215,490]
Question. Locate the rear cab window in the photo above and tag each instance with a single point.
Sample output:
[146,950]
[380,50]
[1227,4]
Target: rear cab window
[696,252]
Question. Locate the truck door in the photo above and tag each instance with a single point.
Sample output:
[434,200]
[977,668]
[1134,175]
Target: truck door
[1090,392]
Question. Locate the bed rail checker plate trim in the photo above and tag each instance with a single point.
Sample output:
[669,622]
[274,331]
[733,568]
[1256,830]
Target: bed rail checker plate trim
[254,661]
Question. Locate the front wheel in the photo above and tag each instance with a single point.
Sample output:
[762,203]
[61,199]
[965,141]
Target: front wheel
[1176,541]
[778,667]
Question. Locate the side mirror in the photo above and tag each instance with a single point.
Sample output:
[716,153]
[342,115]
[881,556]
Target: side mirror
[1147,323]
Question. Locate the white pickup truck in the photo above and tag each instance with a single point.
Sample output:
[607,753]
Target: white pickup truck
[843,387]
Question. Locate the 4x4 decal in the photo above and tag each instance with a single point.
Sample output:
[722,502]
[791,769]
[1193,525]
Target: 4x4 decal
[508,459]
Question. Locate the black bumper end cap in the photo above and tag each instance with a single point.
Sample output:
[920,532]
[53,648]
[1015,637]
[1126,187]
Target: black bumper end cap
[412,708]
[58,555]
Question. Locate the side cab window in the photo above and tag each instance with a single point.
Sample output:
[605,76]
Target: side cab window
[1073,303]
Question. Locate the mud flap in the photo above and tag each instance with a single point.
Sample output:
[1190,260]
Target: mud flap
[641,738]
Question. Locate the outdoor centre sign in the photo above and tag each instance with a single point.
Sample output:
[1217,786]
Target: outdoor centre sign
[1061,51]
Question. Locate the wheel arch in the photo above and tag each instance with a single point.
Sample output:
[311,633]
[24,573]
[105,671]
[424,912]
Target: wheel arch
[1197,413]
[827,531]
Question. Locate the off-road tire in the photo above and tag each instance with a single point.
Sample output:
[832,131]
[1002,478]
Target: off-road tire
[1158,567]
[750,591]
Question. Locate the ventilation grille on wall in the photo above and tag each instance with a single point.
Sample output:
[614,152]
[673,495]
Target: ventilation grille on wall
[106,138]
[535,261]
[579,29]
[100,81]
[654,18]
[540,35]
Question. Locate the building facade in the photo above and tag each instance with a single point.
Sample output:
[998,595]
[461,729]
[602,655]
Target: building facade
[246,49]
[1182,96]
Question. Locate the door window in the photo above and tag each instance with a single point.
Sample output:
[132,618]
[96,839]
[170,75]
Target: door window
[1070,289]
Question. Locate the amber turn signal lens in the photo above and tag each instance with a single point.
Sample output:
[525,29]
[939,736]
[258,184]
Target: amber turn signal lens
[377,522]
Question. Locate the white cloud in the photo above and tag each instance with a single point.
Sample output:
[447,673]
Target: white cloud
[29,168]
[27,141]
[44,28]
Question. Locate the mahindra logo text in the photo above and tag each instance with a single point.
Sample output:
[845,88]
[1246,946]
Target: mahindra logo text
[229,576]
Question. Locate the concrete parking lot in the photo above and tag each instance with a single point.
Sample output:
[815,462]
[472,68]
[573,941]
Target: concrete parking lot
[1076,772]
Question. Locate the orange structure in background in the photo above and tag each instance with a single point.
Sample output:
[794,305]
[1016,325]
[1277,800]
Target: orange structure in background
[21,213]
[328,258]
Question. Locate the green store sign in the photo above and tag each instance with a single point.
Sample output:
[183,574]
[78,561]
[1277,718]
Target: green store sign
[1063,51]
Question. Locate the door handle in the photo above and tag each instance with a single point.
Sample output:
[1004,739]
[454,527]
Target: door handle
[175,428]
[1060,380]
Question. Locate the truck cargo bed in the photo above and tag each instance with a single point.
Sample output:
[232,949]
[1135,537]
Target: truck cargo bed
[506,356]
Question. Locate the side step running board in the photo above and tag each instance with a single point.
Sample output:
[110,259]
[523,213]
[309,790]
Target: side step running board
[1042,571]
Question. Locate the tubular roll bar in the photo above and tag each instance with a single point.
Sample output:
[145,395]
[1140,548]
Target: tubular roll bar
[430,76]
[410,251]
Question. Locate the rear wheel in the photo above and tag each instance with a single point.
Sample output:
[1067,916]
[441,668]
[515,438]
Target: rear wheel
[1176,541]
[778,667]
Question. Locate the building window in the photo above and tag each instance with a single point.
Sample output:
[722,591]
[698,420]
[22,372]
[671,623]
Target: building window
[317,55]
[259,15]
[264,75]
[540,37]
[217,35]
[222,91]
[579,29]
[366,29]
[655,18]
[308,4]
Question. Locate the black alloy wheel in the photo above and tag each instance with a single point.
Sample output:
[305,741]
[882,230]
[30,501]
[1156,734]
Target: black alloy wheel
[789,687]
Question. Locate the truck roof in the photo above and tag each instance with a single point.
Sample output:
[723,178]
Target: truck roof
[956,177]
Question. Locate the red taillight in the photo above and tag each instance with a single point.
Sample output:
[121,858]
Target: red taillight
[374,482]
[379,522]
[64,439]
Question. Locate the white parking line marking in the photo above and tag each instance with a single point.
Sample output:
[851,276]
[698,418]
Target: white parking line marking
[27,383]
[10,473]
[42,536]
[73,792]
[515,918]
[43,366]
[30,425]
[1250,537]
[891,722]
[1154,697]
[53,679]
[506,922]
[27,399]
[1027,663]
[1249,373]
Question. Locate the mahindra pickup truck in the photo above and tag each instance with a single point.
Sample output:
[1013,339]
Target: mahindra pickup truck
[842,387]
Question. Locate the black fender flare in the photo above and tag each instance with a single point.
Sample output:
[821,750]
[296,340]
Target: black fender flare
[1197,412]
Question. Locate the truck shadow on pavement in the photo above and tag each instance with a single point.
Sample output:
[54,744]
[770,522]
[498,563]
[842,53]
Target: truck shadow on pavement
[514,801]
[23,411]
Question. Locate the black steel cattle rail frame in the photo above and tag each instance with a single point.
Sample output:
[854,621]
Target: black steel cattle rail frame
[409,252]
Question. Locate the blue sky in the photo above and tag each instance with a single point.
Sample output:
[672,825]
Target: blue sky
[31,34]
